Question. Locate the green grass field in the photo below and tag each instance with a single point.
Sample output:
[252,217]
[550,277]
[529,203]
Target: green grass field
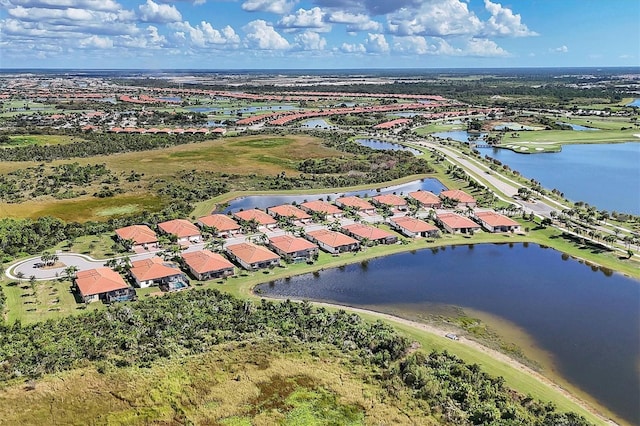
[24,140]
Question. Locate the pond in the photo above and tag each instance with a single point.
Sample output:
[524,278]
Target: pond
[636,103]
[264,201]
[460,135]
[514,126]
[386,146]
[316,123]
[604,175]
[578,127]
[587,320]
[171,98]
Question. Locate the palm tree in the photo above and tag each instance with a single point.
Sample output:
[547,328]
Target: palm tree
[69,272]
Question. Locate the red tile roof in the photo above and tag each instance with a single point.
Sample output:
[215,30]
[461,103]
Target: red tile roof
[425,197]
[291,244]
[221,222]
[287,210]
[261,217]
[251,253]
[495,219]
[140,234]
[332,238]
[460,196]
[99,280]
[206,261]
[181,228]
[355,202]
[412,224]
[321,207]
[367,231]
[390,200]
[455,221]
[152,269]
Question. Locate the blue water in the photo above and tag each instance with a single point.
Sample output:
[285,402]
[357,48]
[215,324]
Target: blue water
[636,102]
[171,98]
[245,110]
[587,319]
[386,146]
[264,201]
[604,175]
[460,135]
[578,127]
[513,126]
[316,123]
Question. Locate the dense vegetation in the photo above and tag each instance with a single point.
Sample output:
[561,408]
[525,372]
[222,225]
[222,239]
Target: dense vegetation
[194,322]
[99,144]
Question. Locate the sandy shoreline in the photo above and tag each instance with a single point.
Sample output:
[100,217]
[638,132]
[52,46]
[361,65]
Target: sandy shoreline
[477,346]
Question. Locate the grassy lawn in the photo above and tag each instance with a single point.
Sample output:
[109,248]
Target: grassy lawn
[96,246]
[572,136]
[438,127]
[23,140]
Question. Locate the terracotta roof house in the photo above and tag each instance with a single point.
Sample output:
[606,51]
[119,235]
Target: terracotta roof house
[287,210]
[156,271]
[357,203]
[412,227]
[391,200]
[141,235]
[495,222]
[332,241]
[206,265]
[225,226]
[259,216]
[463,199]
[102,284]
[323,207]
[426,199]
[184,230]
[453,222]
[252,256]
[360,231]
[295,248]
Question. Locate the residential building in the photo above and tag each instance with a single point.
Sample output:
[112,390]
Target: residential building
[362,205]
[412,227]
[427,200]
[252,256]
[206,265]
[393,201]
[260,217]
[156,271]
[323,207]
[495,222]
[332,241]
[185,231]
[296,249]
[455,223]
[362,232]
[224,225]
[463,199]
[289,211]
[102,284]
[142,236]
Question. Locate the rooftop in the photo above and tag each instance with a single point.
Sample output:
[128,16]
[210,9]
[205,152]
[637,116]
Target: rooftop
[291,244]
[99,280]
[206,261]
[180,228]
[221,222]
[153,269]
[252,253]
[140,234]
[332,238]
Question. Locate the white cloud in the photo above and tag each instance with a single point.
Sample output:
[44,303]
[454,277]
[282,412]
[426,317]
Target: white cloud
[435,18]
[99,5]
[353,48]
[376,43]
[354,21]
[484,47]
[310,40]
[274,6]
[260,35]
[413,45]
[204,34]
[561,49]
[312,18]
[159,13]
[371,7]
[95,42]
[504,22]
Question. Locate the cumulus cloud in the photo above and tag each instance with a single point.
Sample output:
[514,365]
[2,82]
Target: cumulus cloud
[370,7]
[274,6]
[353,48]
[484,47]
[376,43]
[503,22]
[561,49]
[95,42]
[158,13]
[439,18]
[302,19]
[354,21]
[417,45]
[100,5]
[310,40]
[261,35]
[204,34]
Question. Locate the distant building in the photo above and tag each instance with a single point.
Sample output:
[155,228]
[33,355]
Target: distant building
[494,222]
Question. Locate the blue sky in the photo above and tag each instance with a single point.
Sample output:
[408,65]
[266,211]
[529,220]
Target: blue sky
[258,34]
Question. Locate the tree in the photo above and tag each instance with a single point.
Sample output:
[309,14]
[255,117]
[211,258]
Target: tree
[69,272]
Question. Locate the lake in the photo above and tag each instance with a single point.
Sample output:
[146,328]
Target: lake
[264,201]
[578,127]
[460,135]
[316,123]
[386,146]
[604,175]
[636,102]
[587,320]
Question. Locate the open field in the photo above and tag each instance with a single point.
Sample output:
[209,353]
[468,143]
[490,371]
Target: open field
[23,140]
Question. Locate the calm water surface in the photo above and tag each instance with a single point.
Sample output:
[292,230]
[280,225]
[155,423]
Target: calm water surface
[386,146]
[264,201]
[587,320]
[604,175]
